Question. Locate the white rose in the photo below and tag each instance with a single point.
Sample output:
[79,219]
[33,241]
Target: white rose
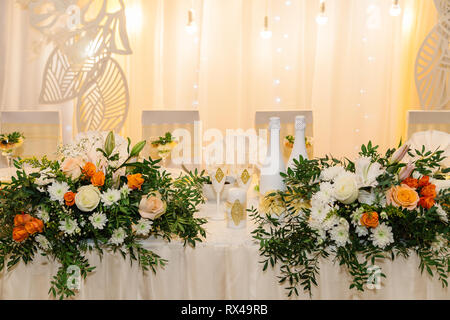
[87,198]
[367,172]
[346,188]
[72,167]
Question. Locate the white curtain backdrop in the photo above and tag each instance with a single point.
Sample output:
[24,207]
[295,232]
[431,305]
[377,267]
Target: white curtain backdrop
[355,73]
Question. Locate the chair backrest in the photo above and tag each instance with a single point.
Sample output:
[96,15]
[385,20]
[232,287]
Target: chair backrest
[287,119]
[42,131]
[428,120]
[156,123]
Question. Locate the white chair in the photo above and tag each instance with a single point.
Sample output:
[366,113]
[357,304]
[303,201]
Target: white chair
[156,123]
[419,121]
[432,140]
[42,131]
[287,119]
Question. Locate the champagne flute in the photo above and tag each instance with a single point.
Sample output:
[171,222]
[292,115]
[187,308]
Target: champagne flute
[8,149]
[218,177]
[244,175]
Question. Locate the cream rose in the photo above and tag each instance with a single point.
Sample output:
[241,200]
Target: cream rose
[346,188]
[72,167]
[152,207]
[87,198]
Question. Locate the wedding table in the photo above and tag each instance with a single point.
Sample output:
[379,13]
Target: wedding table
[224,266]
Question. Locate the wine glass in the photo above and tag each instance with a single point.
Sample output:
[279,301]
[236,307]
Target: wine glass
[218,177]
[8,149]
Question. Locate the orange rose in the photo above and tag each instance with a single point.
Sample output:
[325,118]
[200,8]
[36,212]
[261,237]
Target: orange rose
[98,180]
[89,169]
[19,234]
[21,219]
[135,181]
[69,197]
[428,191]
[424,181]
[402,196]
[34,226]
[370,219]
[411,182]
[426,202]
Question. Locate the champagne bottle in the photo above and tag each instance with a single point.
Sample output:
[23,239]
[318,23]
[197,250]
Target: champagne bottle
[270,178]
[299,148]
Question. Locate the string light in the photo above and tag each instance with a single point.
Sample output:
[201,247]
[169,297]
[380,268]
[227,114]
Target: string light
[191,27]
[322,18]
[265,32]
[395,10]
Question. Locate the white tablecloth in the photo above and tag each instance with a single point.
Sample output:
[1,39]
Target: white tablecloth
[225,266]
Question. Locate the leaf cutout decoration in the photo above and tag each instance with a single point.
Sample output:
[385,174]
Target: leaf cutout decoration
[103,104]
[69,66]
[432,68]
[117,25]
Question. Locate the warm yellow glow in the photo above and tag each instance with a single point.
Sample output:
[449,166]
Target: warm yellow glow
[134,17]
[408,19]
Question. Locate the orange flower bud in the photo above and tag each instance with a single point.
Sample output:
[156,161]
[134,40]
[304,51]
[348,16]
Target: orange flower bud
[426,202]
[135,181]
[370,219]
[429,191]
[98,179]
[19,234]
[21,219]
[89,169]
[69,197]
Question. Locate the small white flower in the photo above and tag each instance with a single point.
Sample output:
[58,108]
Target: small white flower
[98,220]
[383,215]
[382,236]
[330,173]
[361,231]
[43,242]
[68,226]
[110,197]
[442,214]
[330,222]
[143,227]
[340,235]
[319,213]
[125,191]
[118,236]
[43,214]
[57,190]
[356,216]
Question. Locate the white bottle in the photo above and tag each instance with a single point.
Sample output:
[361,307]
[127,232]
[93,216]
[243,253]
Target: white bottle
[270,178]
[299,144]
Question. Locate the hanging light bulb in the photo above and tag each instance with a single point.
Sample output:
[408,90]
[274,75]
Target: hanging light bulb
[322,18]
[191,26]
[395,10]
[265,32]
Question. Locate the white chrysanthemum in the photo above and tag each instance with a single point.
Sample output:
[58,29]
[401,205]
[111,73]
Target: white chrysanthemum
[382,236]
[98,220]
[118,236]
[356,216]
[69,226]
[439,243]
[319,213]
[125,191]
[43,242]
[330,173]
[330,222]
[340,235]
[110,197]
[143,227]
[43,214]
[57,190]
[367,172]
[442,214]
[361,231]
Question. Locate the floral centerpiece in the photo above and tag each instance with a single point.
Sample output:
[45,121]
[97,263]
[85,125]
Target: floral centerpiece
[359,212]
[97,197]
[9,142]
